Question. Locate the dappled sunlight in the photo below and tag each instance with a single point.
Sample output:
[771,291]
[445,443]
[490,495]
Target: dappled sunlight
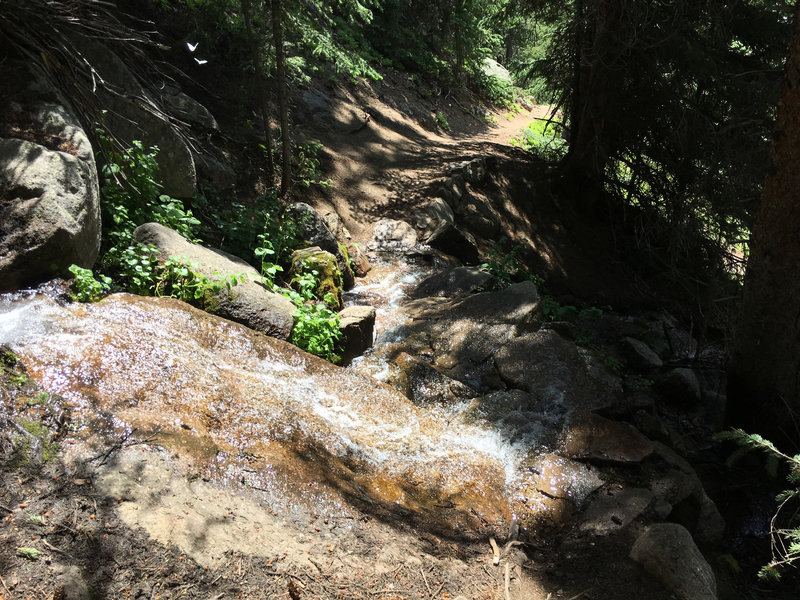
[247,408]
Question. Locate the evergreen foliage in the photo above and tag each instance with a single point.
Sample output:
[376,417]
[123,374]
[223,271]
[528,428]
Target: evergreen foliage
[670,107]
[785,539]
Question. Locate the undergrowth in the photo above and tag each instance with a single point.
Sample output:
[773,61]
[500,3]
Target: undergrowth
[542,138]
[503,263]
[316,328]
[261,232]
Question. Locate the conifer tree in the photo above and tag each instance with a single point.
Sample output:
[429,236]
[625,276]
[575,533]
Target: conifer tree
[766,375]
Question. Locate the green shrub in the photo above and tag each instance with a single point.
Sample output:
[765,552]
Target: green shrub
[260,233]
[307,170]
[316,327]
[132,196]
[541,138]
[504,265]
[316,330]
[137,268]
[498,91]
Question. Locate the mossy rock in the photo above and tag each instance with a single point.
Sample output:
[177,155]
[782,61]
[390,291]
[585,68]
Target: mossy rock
[346,266]
[328,274]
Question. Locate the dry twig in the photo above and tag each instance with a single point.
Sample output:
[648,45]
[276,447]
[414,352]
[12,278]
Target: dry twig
[425,579]
[496,550]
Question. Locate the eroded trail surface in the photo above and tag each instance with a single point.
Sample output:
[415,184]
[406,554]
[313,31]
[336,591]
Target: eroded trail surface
[385,148]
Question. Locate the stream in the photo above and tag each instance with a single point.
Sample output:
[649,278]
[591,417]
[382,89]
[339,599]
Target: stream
[250,410]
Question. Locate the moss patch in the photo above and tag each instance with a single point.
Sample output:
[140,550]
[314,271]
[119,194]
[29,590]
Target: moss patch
[324,267]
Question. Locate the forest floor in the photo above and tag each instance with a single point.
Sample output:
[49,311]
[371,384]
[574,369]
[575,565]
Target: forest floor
[125,518]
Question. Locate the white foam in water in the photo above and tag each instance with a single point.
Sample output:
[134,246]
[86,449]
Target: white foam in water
[393,443]
[22,320]
[387,443]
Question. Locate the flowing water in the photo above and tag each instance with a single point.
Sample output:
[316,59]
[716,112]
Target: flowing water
[251,410]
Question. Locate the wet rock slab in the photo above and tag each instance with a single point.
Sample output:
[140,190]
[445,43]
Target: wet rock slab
[557,487]
[245,406]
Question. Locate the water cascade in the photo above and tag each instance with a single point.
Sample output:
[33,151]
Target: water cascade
[251,410]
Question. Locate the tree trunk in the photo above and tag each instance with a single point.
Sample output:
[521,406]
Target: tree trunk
[765,390]
[595,81]
[261,86]
[460,52]
[283,100]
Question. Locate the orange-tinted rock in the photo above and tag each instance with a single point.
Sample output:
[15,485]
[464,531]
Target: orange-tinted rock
[256,408]
[593,438]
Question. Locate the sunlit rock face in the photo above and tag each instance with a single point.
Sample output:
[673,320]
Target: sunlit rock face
[251,409]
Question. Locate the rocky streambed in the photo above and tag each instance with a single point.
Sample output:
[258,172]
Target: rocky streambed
[473,417]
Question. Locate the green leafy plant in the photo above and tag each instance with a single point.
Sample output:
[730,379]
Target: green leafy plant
[12,369]
[132,196]
[316,330]
[555,311]
[441,120]
[261,233]
[514,109]
[785,541]
[41,399]
[308,166]
[41,434]
[316,327]
[137,268]
[498,91]
[86,287]
[28,552]
[178,277]
[541,138]
[505,266]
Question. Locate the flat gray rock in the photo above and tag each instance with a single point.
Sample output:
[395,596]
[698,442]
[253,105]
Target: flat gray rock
[555,370]
[464,333]
[453,241]
[451,283]
[615,509]
[592,438]
[681,386]
[639,354]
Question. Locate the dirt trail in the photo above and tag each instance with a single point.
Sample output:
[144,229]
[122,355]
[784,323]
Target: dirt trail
[384,143]
[387,154]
